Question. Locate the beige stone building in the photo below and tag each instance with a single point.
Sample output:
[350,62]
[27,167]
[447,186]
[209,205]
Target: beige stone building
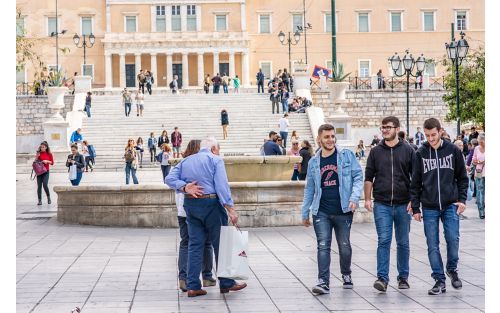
[193,38]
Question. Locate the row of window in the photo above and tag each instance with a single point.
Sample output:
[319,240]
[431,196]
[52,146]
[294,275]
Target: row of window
[87,69]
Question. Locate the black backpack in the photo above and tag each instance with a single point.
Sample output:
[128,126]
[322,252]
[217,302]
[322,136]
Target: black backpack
[171,85]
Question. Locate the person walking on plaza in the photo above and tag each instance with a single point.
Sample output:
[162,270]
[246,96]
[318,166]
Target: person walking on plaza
[284,95]
[306,152]
[163,157]
[283,125]
[270,146]
[478,159]
[149,82]
[44,155]
[333,187]
[260,81]
[275,99]
[139,102]
[193,147]
[127,101]
[206,86]
[86,155]
[216,80]
[152,142]
[202,178]
[388,174]
[439,184]
[141,79]
[236,84]
[77,160]
[140,150]
[295,151]
[130,157]
[163,138]
[174,85]
[176,139]
[419,137]
[88,103]
[225,82]
[285,78]
[224,119]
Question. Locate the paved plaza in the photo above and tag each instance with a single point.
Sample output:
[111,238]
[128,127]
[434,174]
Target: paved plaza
[108,270]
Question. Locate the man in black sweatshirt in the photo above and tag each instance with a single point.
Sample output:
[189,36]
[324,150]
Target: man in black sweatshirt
[388,171]
[439,183]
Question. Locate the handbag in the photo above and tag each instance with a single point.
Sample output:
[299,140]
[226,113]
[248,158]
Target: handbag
[39,167]
[233,248]
[72,172]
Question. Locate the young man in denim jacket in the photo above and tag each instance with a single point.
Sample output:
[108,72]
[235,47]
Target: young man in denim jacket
[334,184]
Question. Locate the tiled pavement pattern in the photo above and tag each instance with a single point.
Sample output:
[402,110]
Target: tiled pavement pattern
[114,270]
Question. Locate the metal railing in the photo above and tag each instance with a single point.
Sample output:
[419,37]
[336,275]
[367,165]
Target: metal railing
[24,89]
[393,83]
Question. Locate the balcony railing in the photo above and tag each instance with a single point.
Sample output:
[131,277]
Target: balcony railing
[393,83]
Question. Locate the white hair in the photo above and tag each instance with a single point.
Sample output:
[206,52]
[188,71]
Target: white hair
[209,142]
[481,136]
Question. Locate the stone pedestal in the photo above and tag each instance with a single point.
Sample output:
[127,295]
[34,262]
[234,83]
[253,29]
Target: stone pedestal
[339,118]
[83,84]
[57,134]
[55,96]
[301,81]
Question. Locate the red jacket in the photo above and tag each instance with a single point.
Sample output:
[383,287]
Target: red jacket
[176,139]
[46,156]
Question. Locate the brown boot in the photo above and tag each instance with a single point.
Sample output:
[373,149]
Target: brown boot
[196,293]
[236,287]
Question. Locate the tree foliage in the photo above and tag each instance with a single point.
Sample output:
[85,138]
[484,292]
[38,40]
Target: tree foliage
[25,48]
[471,88]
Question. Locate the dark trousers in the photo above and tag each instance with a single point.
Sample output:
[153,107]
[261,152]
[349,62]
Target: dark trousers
[284,136]
[43,180]
[205,218]
[141,86]
[216,88]
[152,153]
[207,88]
[165,169]
[128,108]
[295,175]
[183,252]
[275,103]
[148,87]
[341,224]
[89,159]
[302,176]
[76,181]
[259,86]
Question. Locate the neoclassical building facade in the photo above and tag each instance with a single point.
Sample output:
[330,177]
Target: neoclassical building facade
[192,38]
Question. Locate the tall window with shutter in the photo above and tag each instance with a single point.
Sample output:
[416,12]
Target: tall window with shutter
[429,22]
[265,23]
[363,23]
[396,22]
[191,17]
[176,18]
[161,24]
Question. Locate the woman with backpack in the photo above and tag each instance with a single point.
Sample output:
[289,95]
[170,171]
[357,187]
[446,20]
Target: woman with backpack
[130,157]
[86,155]
[43,157]
[163,157]
[77,160]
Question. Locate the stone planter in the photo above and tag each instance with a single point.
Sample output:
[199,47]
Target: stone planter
[337,90]
[56,101]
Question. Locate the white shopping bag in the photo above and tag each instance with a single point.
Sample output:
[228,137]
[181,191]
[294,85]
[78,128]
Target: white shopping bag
[72,172]
[233,249]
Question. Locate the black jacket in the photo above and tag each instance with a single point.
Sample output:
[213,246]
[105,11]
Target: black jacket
[439,177]
[79,162]
[161,141]
[390,169]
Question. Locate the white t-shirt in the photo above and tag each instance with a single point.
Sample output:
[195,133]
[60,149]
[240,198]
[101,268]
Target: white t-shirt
[284,124]
[165,157]
[179,202]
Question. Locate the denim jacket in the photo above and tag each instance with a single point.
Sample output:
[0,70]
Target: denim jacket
[350,181]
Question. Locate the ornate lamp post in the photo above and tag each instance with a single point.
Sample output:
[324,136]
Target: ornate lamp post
[457,51]
[289,42]
[408,64]
[84,45]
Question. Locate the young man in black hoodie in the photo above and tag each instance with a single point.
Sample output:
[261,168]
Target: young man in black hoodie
[388,171]
[439,183]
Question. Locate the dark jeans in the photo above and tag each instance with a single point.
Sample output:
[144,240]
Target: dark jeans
[295,175]
[259,86]
[42,180]
[148,87]
[128,170]
[224,87]
[284,136]
[216,88]
[128,107]
[183,252]
[480,188]
[165,169]
[76,182]
[152,153]
[141,86]
[87,109]
[88,160]
[275,103]
[302,176]
[341,224]
[385,216]
[451,225]
[205,218]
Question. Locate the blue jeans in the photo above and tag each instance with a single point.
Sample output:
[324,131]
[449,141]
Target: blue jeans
[224,87]
[284,105]
[216,88]
[451,225]
[128,170]
[385,216]
[183,252]
[295,175]
[284,135]
[341,224]
[480,188]
[87,109]
[128,107]
[165,169]
[76,182]
[204,218]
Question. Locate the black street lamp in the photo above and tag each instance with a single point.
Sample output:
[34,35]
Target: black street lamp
[408,63]
[457,51]
[84,45]
[289,42]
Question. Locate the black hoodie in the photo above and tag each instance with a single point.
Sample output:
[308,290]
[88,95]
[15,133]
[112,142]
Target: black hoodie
[439,177]
[391,169]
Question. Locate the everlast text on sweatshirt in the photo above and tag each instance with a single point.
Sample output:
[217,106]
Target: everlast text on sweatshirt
[389,169]
[439,177]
